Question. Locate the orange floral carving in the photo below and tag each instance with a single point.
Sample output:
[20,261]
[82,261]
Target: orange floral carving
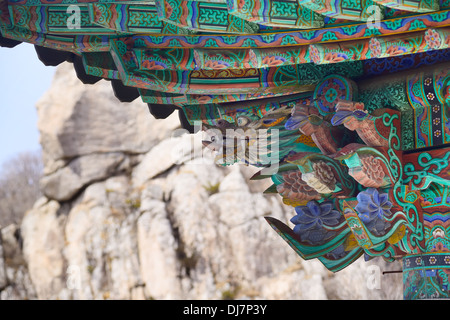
[395,50]
[335,57]
[152,65]
[214,64]
[272,61]
[373,169]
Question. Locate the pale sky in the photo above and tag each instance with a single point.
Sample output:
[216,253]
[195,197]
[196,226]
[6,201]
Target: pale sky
[23,80]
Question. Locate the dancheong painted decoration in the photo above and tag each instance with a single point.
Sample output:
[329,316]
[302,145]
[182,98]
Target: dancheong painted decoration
[343,105]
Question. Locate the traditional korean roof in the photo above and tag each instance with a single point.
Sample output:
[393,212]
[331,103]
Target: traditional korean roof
[178,52]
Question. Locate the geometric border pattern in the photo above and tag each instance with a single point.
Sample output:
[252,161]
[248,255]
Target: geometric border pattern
[427,261]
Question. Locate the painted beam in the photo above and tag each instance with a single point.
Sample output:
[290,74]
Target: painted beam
[276,13]
[361,10]
[411,5]
[345,32]
[203,16]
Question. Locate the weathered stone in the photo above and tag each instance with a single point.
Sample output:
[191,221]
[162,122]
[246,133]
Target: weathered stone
[170,152]
[14,278]
[76,119]
[63,184]
[43,245]
[158,254]
[3,278]
[11,242]
[101,243]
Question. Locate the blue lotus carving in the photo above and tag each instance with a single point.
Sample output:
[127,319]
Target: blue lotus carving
[373,208]
[312,220]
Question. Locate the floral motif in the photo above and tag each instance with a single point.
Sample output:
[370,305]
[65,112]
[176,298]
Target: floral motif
[311,221]
[331,93]
[253,59]
[314,54]
[153,65]
[430,96]
[375,47]
[272,61]
[432,260]
[407,263]
[395,50]
[216,64]
[372,173]
[437,133]
[334,57]
[322,178]
[447,259]
[436,108]
[294,188]
[432,39]
[373,208]
[439,247]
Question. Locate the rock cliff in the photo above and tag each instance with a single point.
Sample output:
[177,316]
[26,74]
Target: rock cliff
[134,209]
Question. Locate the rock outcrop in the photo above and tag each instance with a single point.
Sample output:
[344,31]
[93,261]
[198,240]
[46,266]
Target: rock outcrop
[134,209]
[15,281]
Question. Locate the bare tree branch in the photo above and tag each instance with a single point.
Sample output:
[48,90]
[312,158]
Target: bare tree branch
[19,186]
